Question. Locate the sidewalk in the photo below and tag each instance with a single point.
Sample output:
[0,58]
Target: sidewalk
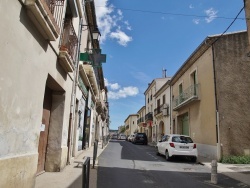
[240,172]
[71,176]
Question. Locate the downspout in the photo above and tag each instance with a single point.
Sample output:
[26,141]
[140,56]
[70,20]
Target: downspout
[73,94]
[216,107]
[170,110]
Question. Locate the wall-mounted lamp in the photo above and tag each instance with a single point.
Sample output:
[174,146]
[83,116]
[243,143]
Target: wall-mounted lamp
[96,34]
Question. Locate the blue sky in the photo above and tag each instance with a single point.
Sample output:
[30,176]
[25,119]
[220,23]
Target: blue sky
[141,37]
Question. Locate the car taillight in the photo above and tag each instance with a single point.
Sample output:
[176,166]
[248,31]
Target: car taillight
[171,144]
[194,146]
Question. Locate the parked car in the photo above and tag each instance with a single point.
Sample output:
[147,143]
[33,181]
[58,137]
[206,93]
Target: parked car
[131,137]
[122,137]
[140,138]
[177,145]
[114,136]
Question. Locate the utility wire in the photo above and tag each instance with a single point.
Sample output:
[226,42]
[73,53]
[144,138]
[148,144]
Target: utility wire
[173,14]
[229,25]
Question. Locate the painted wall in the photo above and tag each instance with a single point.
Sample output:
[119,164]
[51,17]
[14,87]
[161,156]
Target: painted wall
[26,61]
[201,114]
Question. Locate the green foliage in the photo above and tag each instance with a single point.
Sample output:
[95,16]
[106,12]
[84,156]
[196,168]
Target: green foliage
[123,129]
[236,159]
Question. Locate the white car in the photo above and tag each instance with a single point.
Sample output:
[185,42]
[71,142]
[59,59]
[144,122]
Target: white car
[131,137]
[122,137]
[177,145]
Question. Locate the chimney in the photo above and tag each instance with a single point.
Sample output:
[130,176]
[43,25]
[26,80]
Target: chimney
[164,73]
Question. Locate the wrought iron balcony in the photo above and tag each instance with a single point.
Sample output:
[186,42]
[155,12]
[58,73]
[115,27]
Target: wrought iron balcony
[68,46]
[186,97]
[149,117]
[140,120]
[158,110]
[46,16]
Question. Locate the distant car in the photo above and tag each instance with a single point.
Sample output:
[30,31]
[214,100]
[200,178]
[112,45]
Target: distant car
[131,137]
[122,137]
[114,136]
[177,145]
[140,138]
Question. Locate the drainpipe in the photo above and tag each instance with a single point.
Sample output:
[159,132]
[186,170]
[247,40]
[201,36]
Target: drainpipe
[73,94]
[217,112]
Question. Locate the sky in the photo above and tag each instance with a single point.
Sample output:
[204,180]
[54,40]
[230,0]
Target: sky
[143,37]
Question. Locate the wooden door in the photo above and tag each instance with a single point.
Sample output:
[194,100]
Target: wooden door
[47,102]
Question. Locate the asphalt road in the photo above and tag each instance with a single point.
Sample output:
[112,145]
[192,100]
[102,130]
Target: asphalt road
[126,165]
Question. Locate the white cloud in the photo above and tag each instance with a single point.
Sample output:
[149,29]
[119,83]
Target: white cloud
[123,93]
[109,21]
[115,86]
[191,6]
[116,92]
[196,21]
[122,37]
[211,15]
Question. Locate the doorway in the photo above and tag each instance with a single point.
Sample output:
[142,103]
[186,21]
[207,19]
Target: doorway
[43,140]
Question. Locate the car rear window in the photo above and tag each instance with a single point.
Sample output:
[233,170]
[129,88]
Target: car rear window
[182,139]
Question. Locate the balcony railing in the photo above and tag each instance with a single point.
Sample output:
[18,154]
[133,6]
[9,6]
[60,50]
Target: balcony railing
[187,96]
[158,110]
[68,46]
[140,120]
[46,16]
[149,116]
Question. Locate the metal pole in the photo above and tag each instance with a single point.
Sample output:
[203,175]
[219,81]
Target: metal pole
[86,172]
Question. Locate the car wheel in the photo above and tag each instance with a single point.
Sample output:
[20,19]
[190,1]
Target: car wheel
[194,159]
[168,158]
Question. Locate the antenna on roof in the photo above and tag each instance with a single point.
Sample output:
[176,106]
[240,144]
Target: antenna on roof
[164,73]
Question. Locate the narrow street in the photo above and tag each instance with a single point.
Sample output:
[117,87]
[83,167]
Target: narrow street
[123,164]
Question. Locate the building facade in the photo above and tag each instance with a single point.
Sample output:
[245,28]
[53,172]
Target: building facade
[210,96]
[150,105]
[141,119]
[162,114]
[131,124]
[48,103]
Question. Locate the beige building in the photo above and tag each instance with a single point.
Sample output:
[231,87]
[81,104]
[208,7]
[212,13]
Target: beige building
[210,96]
[48,99]
[150,105]
[141,120]
[162,111]
[131,124]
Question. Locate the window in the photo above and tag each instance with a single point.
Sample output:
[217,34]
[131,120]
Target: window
[163,99]
[193,82]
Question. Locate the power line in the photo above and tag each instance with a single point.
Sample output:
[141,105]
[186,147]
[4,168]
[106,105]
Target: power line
[173,14]
[229,25]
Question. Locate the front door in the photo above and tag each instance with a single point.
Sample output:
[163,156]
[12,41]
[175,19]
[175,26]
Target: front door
[185,125]
[47,101]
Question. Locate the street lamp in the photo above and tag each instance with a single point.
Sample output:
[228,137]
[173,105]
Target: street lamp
[96,34]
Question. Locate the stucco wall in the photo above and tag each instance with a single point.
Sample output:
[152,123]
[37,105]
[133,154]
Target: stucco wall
[233,88]
[201,113]
[26,61]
